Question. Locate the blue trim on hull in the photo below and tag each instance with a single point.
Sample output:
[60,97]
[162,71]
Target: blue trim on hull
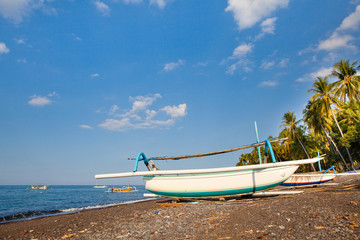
[214,193]
[305,183]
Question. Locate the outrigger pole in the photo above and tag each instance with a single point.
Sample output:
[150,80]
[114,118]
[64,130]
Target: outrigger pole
[151,166]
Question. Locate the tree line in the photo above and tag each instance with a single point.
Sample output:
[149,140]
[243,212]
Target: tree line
[330,124]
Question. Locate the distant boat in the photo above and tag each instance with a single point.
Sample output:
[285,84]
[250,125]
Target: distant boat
[126,189]
[42,187]
[99,186]
[214,181]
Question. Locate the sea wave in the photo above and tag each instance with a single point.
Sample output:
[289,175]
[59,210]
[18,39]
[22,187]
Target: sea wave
[71,210]
[37,214]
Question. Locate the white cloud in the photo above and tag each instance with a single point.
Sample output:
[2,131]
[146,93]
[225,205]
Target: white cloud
[140,116]
[284,62]
[102,8]
[336,41]
[173,65]
[242,50]
[322,72]
[248,12]
[159,3]
[3,48]
[352,21]
[268,84]
[21,60]
[141,103]
[240,56]
[20,41]
[132,1]
[341,37]
[175,111]
[267,65]
[77,38]
[16,10]
[86,126]
[113,109]
[116,125]
[39,101]
[95,75]
[268,25]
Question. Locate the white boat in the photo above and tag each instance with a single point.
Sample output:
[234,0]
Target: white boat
[100,186]
[213,181]
[309,179]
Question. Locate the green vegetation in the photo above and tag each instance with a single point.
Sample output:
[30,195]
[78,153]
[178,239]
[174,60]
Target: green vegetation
[331,124]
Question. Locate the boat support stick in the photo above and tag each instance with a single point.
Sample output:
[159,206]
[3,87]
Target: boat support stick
[269,148]
[257,140]
[319,162]
[140,157]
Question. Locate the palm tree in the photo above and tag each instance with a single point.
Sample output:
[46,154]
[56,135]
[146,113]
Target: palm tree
[347,87]
[292,126]
[350,113]
[325,97]
[320,124]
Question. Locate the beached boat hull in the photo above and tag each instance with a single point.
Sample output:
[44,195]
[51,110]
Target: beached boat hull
[308,179]
[218,183]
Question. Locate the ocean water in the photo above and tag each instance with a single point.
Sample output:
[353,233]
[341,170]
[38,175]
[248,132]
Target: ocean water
[17,202]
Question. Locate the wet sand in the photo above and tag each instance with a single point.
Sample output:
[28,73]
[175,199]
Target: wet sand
[325,212]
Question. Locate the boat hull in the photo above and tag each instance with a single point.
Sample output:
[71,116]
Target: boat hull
[219,183]
[308,179]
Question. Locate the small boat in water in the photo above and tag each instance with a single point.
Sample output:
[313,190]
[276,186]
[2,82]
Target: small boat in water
[99,186]
[42,187]
[124,189]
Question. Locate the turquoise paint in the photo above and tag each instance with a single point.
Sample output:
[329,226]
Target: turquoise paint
[140,157]
[215,193]
[269,148]
[319,162]
[257,139]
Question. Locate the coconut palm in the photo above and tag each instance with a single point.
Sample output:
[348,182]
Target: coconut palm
[348,85]
[350,113]
[325,97]
[320,125]
[290,124]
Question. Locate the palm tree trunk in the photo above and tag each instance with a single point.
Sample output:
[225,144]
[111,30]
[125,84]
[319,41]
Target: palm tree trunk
[342,158]
[342,135]
[312,165]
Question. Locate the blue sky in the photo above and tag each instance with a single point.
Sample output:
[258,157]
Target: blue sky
[86,84]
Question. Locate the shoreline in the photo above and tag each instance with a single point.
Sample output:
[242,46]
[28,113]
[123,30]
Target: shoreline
[328,211]
[69,211]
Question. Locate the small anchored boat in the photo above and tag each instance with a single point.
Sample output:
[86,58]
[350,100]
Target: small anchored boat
[99,186]
[42,187]
[124,189]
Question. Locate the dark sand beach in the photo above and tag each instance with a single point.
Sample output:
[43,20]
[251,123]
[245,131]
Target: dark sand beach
[325,212]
